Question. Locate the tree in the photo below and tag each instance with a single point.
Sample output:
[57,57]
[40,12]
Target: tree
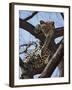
[57,49]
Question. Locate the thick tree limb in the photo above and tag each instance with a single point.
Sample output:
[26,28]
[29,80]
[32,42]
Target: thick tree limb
[61,68]
[25,25]
[30,28]
[54,61]
[24,75]
[21,63]
[59,32]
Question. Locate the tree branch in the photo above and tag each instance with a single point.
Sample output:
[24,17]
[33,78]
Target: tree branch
[21,63]
[30,28]
[29,17]
[54,61]
[59,32]
[62,15]
[24,74]
[27,46]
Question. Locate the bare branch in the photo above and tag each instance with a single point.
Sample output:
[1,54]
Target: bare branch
[62,15]
[29,17]
[27,46]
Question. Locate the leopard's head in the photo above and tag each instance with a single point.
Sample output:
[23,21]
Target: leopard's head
[47,26]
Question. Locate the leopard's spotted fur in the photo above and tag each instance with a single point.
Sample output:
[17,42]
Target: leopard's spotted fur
[35,63]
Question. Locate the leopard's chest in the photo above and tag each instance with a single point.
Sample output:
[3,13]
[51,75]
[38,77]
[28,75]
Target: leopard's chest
[45,52]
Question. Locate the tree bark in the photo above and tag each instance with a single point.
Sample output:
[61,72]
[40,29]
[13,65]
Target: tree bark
[54,61]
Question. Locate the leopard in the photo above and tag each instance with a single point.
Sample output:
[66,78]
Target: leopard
[36,62]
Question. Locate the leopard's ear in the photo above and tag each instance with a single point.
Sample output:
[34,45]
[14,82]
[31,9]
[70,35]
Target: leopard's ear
[52,23]
[42,22]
